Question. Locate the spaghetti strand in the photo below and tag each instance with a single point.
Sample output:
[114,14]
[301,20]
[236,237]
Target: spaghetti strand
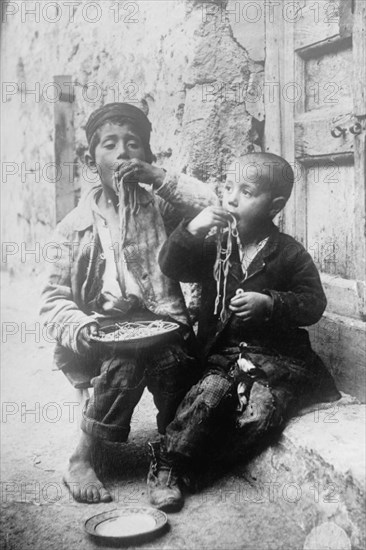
[222,265]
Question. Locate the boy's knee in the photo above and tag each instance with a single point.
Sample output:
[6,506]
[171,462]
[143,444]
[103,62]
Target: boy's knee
[118,373]
[261,409]
[215,390]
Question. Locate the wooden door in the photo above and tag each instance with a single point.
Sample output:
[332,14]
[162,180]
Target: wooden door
[317,56]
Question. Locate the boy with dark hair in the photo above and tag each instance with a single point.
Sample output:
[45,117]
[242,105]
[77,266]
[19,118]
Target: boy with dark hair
[108,271]
[259,286]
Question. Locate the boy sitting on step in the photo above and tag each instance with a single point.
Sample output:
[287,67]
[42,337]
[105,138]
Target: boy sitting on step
[259,288]
[106,271]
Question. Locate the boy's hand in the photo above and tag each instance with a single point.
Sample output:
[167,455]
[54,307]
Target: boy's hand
[138,171]
[251,306]
[83,339]
[209,217]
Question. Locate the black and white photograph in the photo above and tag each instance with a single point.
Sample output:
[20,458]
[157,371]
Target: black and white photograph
[183,290]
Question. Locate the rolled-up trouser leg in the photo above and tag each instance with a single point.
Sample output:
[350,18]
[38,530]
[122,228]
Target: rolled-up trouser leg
[202,417]
[117,390]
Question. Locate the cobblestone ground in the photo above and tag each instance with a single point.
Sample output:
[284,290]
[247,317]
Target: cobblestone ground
[39,430]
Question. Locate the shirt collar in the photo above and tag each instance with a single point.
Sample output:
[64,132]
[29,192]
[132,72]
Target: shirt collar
[86,207]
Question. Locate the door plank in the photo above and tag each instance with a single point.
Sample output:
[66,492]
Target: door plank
[359,58]
[346,17]
[314,138]
[359,94]
[319,21]
[272,134]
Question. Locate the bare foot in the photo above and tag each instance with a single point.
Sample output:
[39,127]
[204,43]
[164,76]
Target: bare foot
[84,485]
[81,479]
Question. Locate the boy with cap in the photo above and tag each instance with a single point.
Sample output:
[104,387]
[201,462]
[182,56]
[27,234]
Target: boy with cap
[259,286]
[107,270]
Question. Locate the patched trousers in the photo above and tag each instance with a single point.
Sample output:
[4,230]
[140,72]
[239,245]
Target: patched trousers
[210,417]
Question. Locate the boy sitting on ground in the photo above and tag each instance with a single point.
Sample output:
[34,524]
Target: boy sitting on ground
[106,270]
[259,286]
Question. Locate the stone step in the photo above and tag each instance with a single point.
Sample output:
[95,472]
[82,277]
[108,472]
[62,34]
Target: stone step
[316,472]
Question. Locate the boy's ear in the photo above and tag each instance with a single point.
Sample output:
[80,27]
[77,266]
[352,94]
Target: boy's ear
[90,162]
[277,205]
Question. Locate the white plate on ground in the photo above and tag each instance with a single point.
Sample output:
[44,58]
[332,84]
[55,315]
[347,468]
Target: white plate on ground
[124,524]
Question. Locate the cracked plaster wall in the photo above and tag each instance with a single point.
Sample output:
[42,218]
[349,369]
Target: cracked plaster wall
[187,60]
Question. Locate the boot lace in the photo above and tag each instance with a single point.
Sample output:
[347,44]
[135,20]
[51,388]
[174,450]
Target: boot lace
[161,462]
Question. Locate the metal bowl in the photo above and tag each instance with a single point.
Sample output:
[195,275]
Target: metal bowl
[116,336]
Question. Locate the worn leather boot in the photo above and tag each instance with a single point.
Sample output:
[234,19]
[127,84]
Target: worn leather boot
[163,480]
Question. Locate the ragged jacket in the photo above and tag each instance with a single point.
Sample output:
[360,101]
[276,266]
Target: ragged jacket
[78,263]
[282,268]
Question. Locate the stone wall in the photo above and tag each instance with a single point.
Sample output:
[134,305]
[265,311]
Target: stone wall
[186,61]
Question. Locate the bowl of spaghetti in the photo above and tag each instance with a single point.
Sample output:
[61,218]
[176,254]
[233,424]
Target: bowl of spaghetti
[133,335]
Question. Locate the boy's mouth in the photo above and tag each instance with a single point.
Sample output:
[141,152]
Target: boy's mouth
[130,179]
[119,166]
